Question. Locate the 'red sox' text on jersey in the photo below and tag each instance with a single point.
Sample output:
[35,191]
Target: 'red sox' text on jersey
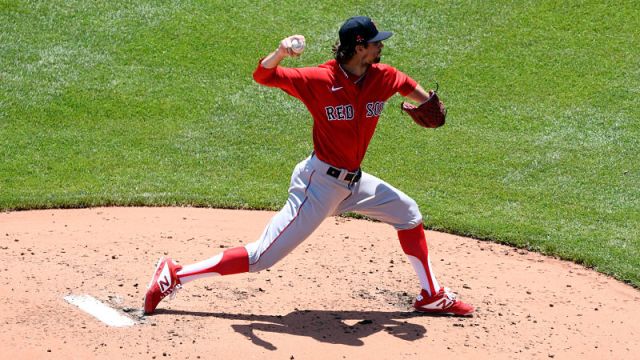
[345,114]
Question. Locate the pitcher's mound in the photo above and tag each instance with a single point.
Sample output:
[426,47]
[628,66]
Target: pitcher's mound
[346,292]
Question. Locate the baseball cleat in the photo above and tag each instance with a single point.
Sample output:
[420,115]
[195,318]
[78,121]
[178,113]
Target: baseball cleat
[164,283]
[442,303]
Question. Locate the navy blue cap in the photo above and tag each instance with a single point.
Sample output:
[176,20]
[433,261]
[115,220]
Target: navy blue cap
[359,30]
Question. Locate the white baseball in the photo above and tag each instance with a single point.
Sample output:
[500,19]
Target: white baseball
[297,46]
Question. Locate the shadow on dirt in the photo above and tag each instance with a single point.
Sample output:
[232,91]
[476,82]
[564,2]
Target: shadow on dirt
[335,327]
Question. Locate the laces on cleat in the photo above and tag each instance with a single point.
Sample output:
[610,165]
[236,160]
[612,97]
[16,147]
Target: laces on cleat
[450,294]
[172,294]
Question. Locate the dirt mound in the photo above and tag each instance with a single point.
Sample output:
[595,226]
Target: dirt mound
[344,293]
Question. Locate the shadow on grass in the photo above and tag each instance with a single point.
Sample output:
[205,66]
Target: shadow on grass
[335,327]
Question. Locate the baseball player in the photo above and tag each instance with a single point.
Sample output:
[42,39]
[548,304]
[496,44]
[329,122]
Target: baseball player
[345,97]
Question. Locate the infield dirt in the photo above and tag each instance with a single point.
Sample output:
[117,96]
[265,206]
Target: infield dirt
[345,293]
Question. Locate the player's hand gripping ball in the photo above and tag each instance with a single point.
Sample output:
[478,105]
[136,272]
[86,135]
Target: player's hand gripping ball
[292,46]
[297,45]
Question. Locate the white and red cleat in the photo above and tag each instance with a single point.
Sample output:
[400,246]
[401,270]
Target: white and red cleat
[442,303]
[164,283]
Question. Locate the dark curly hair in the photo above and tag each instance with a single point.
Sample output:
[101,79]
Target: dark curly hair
[344,53]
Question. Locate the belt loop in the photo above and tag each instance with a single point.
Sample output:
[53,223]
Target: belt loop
[346,174]
[356,178]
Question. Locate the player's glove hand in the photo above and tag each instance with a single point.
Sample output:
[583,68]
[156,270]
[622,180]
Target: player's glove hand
[429,114]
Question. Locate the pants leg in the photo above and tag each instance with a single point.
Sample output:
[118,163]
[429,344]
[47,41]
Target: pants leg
[313,196]
[377,199]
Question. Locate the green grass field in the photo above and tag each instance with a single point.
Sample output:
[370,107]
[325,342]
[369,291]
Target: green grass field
[153,103]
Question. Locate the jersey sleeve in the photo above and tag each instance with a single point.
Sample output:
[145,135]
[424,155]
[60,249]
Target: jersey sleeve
[403,84]
[291,80]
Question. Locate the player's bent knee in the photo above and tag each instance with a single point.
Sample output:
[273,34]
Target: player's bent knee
[413,216]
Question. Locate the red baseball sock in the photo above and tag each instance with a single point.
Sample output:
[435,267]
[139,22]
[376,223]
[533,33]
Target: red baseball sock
[232,261]
[414,244]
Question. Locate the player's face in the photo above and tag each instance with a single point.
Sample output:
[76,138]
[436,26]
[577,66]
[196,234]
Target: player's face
[373,52]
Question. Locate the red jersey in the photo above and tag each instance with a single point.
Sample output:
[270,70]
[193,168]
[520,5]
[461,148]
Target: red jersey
[345,114]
